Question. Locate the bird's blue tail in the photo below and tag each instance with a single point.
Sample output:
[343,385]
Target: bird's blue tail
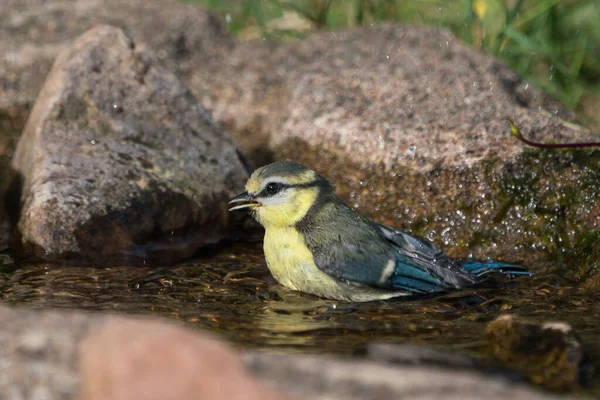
[482,268]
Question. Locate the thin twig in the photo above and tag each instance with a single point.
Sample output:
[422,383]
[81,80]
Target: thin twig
[517,133]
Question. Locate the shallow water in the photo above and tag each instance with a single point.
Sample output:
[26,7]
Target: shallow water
[230,291]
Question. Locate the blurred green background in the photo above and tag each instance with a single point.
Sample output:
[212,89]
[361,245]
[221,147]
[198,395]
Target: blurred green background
[555,44]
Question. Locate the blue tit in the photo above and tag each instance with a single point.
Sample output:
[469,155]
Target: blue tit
[314,243]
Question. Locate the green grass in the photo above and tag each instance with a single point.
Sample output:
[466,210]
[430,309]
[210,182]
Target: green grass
[555,44]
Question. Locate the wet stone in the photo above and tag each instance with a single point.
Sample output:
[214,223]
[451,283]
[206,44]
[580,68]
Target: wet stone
[81,201]
[410,124]
[550,353]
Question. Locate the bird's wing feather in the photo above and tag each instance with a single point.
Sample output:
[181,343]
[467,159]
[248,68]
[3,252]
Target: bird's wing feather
[426,257]
[392,260]
[356,262]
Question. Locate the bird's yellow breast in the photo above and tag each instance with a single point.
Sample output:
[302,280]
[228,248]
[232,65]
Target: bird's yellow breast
[292,263]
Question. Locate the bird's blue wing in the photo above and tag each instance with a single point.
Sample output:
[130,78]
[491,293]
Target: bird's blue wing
[422,265]
[391,260]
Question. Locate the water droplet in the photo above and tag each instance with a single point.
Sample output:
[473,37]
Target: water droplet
[116,108]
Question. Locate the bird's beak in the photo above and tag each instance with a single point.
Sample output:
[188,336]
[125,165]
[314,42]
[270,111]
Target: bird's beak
[246,202]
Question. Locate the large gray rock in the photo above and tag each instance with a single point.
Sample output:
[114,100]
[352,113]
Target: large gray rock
[67,355]
[410,124]
[117,153]
[181,36]
[32,33]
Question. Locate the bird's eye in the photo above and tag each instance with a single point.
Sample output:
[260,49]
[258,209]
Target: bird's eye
[272,188]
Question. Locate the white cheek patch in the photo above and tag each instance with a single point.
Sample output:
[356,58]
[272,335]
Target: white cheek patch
[277,200]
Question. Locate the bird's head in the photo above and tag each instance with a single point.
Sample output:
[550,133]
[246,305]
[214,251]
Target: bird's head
[281,193]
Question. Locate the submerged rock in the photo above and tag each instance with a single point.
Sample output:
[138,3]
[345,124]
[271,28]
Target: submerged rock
[119,159]
[549,353]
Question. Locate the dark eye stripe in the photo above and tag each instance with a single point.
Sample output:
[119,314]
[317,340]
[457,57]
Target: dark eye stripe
[271,189]
[282,186]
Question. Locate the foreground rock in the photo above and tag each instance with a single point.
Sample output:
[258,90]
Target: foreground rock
[32,33]
[150,360]
[118,159]
[410,124]
[314,377]
[39,352]
[67,355]
[551,354]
